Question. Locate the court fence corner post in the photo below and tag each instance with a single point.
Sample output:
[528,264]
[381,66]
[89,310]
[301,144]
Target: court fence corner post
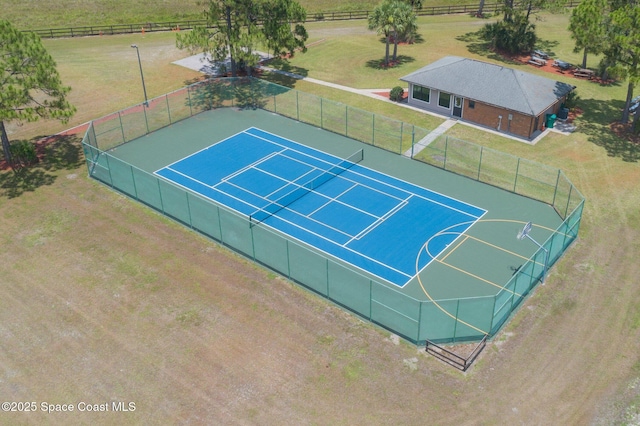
[124,139]
[555,191]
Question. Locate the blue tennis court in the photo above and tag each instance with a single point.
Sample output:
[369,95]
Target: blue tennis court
[372,221]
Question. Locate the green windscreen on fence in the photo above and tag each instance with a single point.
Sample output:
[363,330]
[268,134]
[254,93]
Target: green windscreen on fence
[404,311]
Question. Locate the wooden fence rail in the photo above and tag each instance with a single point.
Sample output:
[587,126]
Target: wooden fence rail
[98,30]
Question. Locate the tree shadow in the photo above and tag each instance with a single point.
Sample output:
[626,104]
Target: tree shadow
[210,94]
[59,152]
[378,64]
[250,95]
[418,39]
[279,78]
[547,46]
[478,46]
[284,66]
[595,123]
[27,179]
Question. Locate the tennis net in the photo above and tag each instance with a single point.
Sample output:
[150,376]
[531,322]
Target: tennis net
[301,190]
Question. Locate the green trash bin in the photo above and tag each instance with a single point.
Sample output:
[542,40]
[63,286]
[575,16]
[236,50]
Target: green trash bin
[551,119]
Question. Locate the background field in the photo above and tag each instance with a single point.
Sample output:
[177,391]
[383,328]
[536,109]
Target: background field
[67,13]
[103,300]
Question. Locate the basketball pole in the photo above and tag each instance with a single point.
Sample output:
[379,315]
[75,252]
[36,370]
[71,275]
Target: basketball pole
[525,234]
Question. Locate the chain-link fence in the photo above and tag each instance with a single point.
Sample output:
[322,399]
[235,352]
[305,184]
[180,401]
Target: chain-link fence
[461,319]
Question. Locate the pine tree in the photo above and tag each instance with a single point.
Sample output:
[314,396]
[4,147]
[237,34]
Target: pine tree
[30,87]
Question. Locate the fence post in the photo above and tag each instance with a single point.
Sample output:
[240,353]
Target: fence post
[370,300]
[109,168]
[413,139]
[515,181]
[297,106]
[327,267]
[124,139]
[166,97]
[480,162]
[133,179]
[253,243]
[566,209]
[373,129]
[220,224]
[346,120]
[493,313]
[288,260]
[555,192]
[419,321]
[160,194]
[455,324]
[92,128]
[146,121]
[186,194]
[446,144]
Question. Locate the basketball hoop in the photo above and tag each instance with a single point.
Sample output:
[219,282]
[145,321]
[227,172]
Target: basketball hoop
[525,231]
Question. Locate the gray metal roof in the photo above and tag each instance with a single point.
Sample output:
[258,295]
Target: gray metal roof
[490,83]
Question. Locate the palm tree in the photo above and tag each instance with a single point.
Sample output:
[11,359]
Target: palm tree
[393,18]
[404,24]
[381,20]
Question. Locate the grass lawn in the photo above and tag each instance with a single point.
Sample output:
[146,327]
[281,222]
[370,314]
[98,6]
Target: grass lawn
[35,14]
[102,300]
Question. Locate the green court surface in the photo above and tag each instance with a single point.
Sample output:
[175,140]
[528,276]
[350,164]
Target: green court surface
[467,292]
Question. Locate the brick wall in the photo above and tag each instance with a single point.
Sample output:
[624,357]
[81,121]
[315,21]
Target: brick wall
[490,116]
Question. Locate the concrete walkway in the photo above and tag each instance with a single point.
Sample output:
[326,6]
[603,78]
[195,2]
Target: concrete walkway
[432,136]
[364,92]
[200,63]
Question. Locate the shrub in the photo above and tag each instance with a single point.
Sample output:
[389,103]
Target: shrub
[396,94]
[516,36]
[572,100]
[23,153]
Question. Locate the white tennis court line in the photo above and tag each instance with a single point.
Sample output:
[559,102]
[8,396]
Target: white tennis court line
[200,150]
[322,237]
[331,200]
[378,180]
[380,220]
[250,166]
[188,177]
[391,268]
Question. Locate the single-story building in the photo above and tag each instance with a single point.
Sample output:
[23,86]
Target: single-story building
[501,98]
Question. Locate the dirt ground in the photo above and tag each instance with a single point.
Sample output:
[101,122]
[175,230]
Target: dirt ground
[105,303]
